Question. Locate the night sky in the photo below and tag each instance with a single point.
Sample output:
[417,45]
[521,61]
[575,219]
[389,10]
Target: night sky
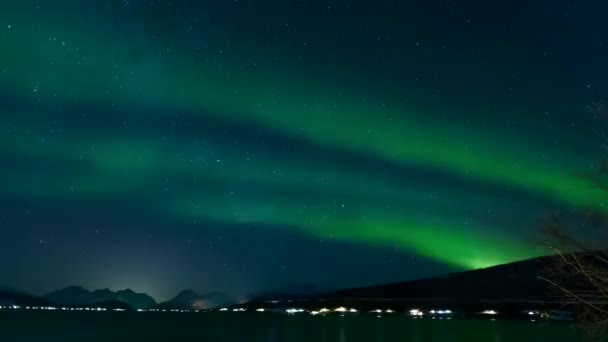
[241,145]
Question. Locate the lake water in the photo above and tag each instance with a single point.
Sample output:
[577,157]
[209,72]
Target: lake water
[241,327]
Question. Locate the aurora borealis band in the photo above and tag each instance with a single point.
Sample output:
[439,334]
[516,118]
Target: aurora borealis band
[243,145]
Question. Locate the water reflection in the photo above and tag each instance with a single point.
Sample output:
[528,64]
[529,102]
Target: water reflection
[272,335]
[380,335]
[218,327]
[342,335]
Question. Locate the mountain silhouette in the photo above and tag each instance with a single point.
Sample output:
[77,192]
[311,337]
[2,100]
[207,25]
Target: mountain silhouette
[21,299]
[189,299]
[76,295]
[517,281]
[510,288]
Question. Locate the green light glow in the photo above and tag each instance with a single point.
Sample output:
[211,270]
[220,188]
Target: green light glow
[72,64]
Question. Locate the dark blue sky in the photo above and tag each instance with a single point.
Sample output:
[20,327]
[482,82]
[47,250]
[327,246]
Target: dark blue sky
[243,145]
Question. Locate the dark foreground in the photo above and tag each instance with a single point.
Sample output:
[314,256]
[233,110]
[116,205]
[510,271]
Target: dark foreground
[117,327]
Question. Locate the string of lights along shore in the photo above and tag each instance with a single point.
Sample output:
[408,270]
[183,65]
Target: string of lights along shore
[247,145]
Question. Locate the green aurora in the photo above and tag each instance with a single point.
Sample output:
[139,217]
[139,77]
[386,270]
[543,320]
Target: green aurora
[60,66]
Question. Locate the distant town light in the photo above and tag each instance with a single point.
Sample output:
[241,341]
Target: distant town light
[340,309]
[389,311]
[260,310]
[416,312]
[324,310]
[441,312]
[353,310]
[314,313]
[489,312]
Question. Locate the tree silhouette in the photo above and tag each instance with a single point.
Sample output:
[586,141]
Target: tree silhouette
[579,273]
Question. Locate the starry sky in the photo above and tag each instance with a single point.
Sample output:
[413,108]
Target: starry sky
[242,145]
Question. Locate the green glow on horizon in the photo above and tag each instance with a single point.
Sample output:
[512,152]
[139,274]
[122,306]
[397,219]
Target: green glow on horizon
[448,243]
